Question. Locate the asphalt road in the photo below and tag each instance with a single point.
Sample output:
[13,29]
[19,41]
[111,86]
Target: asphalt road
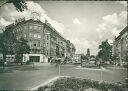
[26,77]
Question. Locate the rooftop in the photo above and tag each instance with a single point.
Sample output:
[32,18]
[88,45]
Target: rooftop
[121,33]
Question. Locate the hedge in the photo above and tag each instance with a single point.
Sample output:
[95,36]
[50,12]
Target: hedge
[79,84]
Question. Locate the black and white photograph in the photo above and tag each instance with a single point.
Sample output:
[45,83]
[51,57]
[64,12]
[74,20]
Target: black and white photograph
[63,45]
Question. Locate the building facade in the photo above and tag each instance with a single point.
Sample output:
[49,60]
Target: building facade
[120,46]
[43,39]
[77,58]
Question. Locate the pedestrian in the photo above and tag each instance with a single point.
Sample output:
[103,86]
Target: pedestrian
[5,63]
[56,61]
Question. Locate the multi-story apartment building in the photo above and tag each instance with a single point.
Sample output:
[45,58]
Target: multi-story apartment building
[43,39]
[120,45]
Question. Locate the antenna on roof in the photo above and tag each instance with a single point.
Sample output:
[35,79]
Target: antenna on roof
[35,16]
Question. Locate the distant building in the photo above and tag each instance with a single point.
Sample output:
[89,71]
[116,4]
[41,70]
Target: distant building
[10,58]
[77,58]
[43,39]
[88,54]
[120,45]
[1,56]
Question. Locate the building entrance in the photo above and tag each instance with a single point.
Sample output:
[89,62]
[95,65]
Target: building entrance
[34,58]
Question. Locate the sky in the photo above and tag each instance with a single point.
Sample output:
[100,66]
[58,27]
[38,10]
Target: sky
[85,23]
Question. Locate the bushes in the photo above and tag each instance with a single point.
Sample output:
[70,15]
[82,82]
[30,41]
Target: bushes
[79,84]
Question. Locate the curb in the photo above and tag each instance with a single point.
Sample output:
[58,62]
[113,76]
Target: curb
[93,69]
[45,83]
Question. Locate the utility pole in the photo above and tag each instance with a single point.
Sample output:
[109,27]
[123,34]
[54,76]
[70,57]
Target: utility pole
[101,74]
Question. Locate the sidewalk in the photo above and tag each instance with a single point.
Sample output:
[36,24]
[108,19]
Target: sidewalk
[24,67]
[94,69]
[26,77]
[116,67]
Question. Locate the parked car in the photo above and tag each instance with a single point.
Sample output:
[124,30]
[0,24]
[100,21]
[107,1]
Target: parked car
[90,65]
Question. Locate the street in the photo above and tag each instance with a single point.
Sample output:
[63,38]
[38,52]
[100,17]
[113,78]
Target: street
[26,77]
[42,40]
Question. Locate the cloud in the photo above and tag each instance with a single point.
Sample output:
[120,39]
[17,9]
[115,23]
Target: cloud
[41,14]
[115,31]
[3,22]
[112,24]
[82,44]
[122,2]
[111,19]
[76,21]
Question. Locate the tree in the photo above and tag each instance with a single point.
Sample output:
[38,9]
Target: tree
[105,52]
[57,51]
[19,4]
[3,48]
[88,54]
[15,46]
[1,42]
[21,48]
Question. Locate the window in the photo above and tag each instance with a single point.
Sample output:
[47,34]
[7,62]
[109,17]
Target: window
[31,27]
[24,35]
[39,36]
[47,37]
[35,35]
[30,35]
[39,43]
[25,27]
[39,27]
[47,52]
[34,44]
[35,26]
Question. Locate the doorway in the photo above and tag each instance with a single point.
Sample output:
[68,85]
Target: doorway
[34,58]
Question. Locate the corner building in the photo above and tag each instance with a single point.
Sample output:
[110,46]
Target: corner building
[43,39]
[120,46]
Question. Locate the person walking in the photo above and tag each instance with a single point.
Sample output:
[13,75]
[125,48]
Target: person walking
[5,63]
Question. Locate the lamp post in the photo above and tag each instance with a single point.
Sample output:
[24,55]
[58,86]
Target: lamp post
[101,74]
